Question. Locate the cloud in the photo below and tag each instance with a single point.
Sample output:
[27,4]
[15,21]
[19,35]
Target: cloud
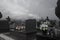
[20,9]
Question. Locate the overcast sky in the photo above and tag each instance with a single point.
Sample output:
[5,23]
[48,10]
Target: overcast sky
[22,9]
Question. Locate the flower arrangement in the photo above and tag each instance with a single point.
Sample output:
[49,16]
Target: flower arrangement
[44,26]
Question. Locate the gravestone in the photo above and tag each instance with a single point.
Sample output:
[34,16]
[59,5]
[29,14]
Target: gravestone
[4,26]
[30,25]
[30,29]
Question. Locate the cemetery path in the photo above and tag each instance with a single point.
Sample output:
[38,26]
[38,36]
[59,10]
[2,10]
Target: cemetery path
[5,37]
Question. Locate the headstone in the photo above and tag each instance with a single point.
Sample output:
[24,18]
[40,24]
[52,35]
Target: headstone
[30,29]
[4,26]
[30,25]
